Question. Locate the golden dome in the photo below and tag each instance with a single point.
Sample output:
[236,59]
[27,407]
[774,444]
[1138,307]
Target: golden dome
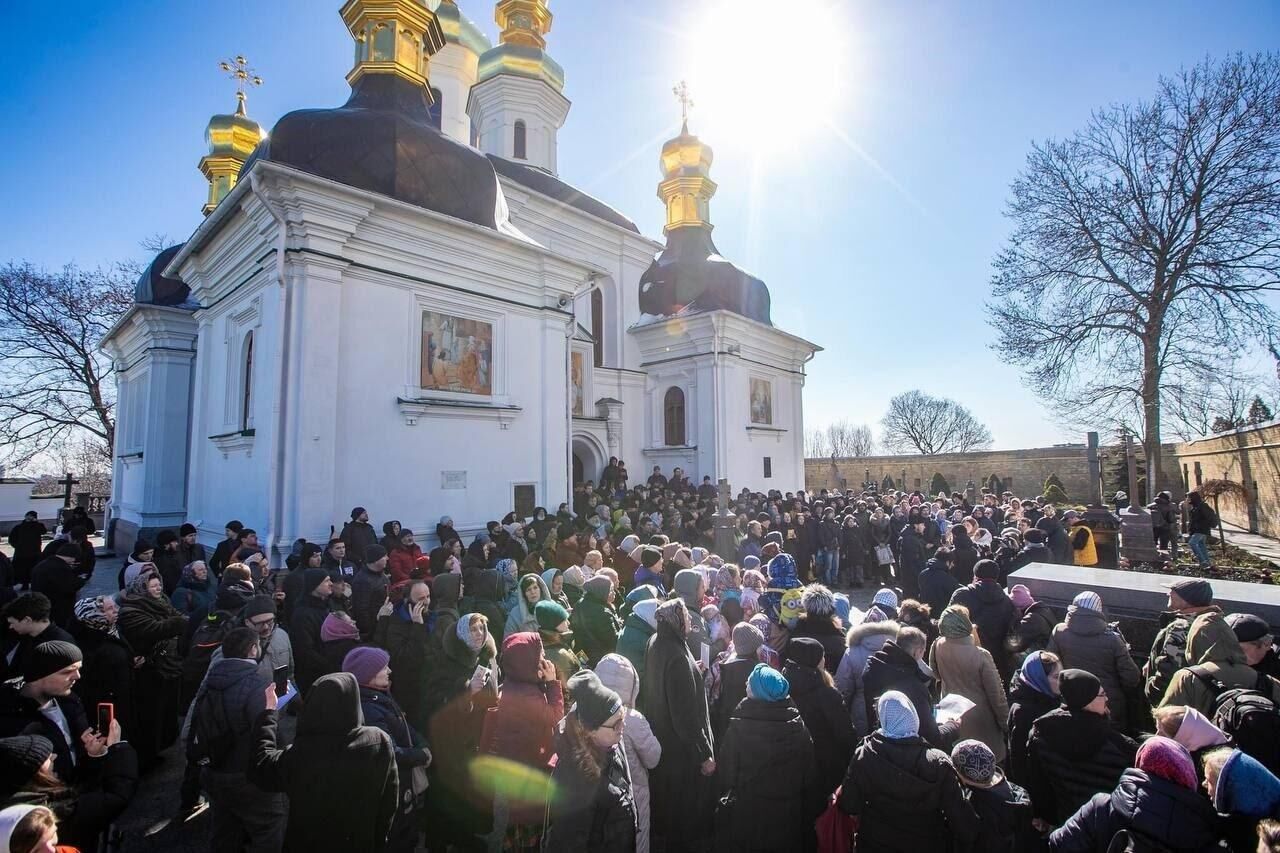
[686,187]
[231,139]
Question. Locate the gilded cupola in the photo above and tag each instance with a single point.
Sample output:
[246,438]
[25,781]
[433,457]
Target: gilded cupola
[231,138]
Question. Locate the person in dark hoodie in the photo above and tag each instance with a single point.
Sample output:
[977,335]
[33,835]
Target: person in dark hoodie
[964,556]
[1156,802]
[1074,752]
[446,595]
[936,581]
[991,611]
[390,535]
[595,627]
[1056,536]
[339,775]
[1003,808]
[486,597]
[1032,694]
[767,740]
[372,670]
[905,793]
[823,711]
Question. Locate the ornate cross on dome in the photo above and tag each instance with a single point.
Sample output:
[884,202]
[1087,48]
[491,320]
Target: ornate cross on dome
[681,91]
[239,70]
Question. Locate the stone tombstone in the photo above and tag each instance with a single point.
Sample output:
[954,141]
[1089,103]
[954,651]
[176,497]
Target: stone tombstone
[1137,540]
[725,520]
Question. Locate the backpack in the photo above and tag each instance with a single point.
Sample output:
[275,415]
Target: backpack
[1132,841]
[1249,716]
[212,738]
[208,637]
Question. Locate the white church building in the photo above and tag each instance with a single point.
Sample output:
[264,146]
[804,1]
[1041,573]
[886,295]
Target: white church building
[398,304]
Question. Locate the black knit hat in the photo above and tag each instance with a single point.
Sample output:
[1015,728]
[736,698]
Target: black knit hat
[1079,688]
[374,553]
[48,658]
[593,702]
[312,578]
[650,556]
[20,758]
[69,549]
[804,650]
[259,605]
[986,569]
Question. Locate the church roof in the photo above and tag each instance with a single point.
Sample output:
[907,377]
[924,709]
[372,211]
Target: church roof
[547,184]
[691,275]
[155,288]
[459,29]
[382,140]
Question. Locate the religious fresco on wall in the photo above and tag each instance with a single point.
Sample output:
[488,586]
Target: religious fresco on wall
[457,354]
[761,401]
[577,376]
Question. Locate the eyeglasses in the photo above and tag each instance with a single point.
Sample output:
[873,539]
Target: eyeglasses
[618,726]
[270,623]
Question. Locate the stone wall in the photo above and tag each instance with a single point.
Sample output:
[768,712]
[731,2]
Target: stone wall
[1248,456]
[1022,472]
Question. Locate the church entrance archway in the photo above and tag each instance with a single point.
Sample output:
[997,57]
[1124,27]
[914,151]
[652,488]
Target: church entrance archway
[588,459]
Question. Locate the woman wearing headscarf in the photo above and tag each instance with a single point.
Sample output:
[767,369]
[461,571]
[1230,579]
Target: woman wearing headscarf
[1243,791]
[969,670]
[151,627]
[823,711]
[672,698]
[1157,801]
[1192,729]
[767,740]
[1032,694]
[638,742]
[519,731]
[592,806]
[595,627]
[509,570]
[107,674]
[195,591]
[553,580]
[641,624]
[530,591]
[339,774]
[1086,641]
[339,634]
[905,793]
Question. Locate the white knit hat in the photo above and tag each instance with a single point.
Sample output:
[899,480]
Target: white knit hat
[1089,600]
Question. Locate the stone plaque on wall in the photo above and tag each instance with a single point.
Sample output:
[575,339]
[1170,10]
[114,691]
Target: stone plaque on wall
[453,480]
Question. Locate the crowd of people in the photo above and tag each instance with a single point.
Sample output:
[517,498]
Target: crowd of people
[600,678]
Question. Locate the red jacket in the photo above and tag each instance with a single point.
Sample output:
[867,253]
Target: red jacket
[406,563]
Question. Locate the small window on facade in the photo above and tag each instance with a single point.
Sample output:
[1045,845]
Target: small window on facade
[521,141]
[673,417]
[768,467]
[524,499]
[437,108]
[246,402]
[597,325]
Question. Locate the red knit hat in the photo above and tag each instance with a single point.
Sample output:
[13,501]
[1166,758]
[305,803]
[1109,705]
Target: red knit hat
[1168,759]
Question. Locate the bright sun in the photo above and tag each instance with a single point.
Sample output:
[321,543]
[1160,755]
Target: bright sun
[767,70]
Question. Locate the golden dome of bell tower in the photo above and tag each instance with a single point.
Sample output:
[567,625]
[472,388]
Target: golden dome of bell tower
[231,138]
[686,187]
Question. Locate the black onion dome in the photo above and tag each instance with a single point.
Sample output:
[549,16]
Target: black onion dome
[382,140]
[155,288]
[690,275]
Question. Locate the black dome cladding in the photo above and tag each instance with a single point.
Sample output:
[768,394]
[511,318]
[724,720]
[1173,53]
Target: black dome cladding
[382,140]
[690,275]
[154,288]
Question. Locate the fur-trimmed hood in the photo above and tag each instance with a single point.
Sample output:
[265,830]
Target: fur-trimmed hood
[879,632]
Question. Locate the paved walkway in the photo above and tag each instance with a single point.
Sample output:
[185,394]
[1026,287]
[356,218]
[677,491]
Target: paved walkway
[1259,546]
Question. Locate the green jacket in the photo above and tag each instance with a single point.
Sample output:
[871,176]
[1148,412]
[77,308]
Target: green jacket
[595,629]
[633,642]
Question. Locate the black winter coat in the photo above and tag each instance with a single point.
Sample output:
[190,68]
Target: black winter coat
[408,643]
[825,631]
[591,812]
[893,669]
[230,700]
[368,594]
[339,774]
[24,646]
[1153,808]
[1035,628]
[1026,705]
[20,715]
[1032,552]
[992,611]
[828,722]
[85,812]
[907,798]
[60,582]
[309,661]
[937,585]
[911,559]
[1072,756]
[733,689]
[768,767]
[358,535]
[1004,818]
[963,561]
[106,675]
[674,701]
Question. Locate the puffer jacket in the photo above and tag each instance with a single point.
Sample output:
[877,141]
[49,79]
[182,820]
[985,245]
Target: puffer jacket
[1026,705]
[589,811]
[993,613]
[1155,809]
[907,798]
[1213,648]
[1034,629]
[863,641]
[238,687]
[1004,818]
[638,742]
[1071,756]
[827,632]
[827,720]
[1085,641]
[936,585]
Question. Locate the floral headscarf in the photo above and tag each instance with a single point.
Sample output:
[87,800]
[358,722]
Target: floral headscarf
[753,579]
[90,613]
[138,586]
[673,614]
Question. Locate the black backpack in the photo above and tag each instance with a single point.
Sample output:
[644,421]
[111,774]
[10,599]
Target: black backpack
[208,637]
[1132,841]
[212,738]
[1249,716]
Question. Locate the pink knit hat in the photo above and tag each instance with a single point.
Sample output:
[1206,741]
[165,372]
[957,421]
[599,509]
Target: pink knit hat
[1167,759]
[1021,596]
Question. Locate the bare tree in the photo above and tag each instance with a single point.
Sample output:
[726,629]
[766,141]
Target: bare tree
[1145,245]
[816,444]
[56,387]
[1192,407]
[931,425]
[849,439]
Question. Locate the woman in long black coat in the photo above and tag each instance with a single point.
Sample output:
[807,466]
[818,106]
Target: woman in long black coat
[768,773]
[152,628]
[340,775]
[107,674]
[673,700]
[822,709]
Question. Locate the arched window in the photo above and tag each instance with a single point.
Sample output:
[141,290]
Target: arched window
[437,107]
[246,375]
[673,417]
[597,325]
[521,147]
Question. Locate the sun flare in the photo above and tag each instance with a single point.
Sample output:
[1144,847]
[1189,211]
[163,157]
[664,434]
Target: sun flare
[747,79]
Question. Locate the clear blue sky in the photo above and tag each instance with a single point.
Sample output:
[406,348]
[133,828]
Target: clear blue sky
[880,255]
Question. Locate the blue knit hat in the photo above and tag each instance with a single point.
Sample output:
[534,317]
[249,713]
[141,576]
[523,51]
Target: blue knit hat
[1246,787]
[767,684]
[898,717]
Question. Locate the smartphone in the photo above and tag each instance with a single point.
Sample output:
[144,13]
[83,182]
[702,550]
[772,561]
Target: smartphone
[106,713]
[481,670]
[281,676]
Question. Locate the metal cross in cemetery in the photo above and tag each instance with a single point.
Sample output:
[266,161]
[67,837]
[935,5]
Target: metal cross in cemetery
[67,482]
